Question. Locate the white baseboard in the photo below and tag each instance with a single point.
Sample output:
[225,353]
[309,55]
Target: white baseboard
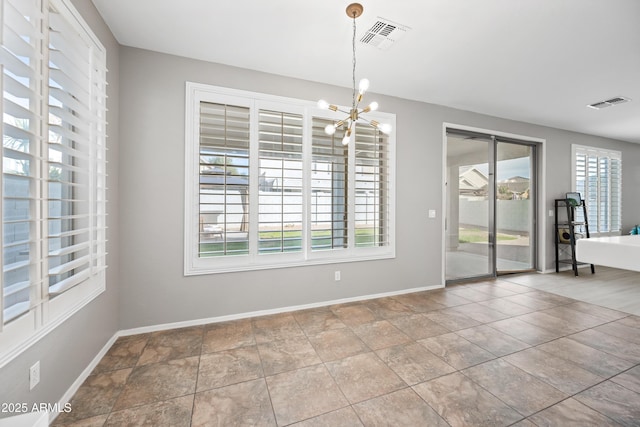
[219,319]
[66,398]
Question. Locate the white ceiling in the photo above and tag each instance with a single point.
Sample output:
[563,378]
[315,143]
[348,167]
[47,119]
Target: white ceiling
[538,61]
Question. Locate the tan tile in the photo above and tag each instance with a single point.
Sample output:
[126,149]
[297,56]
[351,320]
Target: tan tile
[478,312]
[316,320]
[124,353]
[414,363]
[400,408]
[571,413]
[560,373]
[515,288]
[159,381]
[364,376]
[451,320]
[469,293]
[576,317]
[523,331]
[97,421]
[518,389]
[354,314]
[227,335]
[529,300]
[304,393]
[286,355]
[418,326]
[419,302]
[388,308]
[344,417]
[461,402]
[175,413]
[507,307]
[552,323]
[337,344]
[492,340]
[524,423]
[596,310]
[172,344]
[446,298]
[456,351]
[276,327]
[228,367]
[243,404]
[598,362]
[629,379]
[493,290]
[616,402]
[380,334]
[609,344]
[620,330]
[631,321]
[96,396]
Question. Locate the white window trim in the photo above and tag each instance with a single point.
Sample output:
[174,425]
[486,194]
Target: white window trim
[193,264]
[46,315]
[599,152]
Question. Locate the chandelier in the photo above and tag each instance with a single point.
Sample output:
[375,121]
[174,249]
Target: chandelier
[355,114]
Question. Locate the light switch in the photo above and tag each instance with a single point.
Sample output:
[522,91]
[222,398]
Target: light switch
[432,213]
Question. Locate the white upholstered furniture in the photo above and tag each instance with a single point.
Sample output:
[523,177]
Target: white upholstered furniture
[613,251]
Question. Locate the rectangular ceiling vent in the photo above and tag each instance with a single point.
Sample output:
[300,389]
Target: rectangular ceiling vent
[609,103]
[384,33]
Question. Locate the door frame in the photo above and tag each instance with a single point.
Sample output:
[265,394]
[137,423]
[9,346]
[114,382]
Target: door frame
[540,225]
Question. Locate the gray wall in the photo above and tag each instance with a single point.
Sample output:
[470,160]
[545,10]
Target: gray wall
[154,290]
[68,350]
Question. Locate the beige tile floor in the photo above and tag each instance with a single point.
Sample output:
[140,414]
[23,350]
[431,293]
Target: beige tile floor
[493,353]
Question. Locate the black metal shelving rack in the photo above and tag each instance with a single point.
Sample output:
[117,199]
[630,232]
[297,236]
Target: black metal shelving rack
[565,214]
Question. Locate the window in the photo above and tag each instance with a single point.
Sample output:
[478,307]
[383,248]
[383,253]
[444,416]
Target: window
[53,170]
[266,187]
[598,178]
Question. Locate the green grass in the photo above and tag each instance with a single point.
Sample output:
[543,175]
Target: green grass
[272,241]
[475,235]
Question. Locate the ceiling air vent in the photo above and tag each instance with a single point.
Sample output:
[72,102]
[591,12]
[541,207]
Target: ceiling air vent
[383,33]
[609,103]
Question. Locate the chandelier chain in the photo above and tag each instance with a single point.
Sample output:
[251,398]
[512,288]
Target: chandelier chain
[353,44]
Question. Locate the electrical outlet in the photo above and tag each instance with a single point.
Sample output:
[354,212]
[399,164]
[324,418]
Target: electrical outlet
[34,375]
[337,276]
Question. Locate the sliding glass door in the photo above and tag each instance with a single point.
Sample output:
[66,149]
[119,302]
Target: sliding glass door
[490,206]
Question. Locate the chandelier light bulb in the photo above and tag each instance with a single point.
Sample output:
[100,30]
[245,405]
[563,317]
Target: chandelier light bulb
[323,105]
[385,128]
[363,86]
[345,140]
[371,107]
[330,129]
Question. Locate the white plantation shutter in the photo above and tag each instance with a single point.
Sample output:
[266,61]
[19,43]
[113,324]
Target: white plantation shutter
[372,187]
[21,60]
[329,222]
[223,180]
[597,175]
[54,168]
[280,200]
